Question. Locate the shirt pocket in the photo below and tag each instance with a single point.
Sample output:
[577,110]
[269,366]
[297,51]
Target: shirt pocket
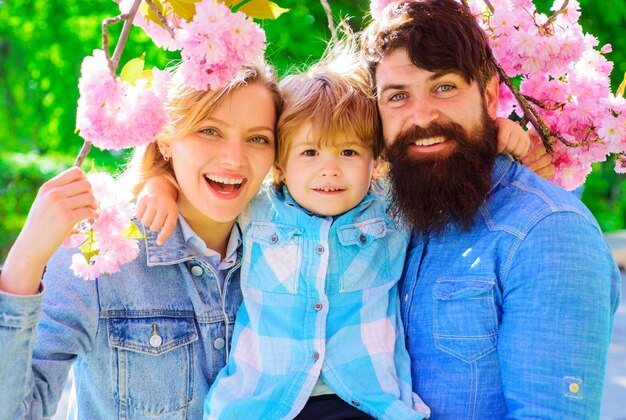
[154,359]
[363,255]
[465,319]
[272,258]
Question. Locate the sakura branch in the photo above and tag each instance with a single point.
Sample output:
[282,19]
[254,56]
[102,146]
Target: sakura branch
[112,62]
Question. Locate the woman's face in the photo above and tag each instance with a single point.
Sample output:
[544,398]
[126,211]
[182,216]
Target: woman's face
[220,167]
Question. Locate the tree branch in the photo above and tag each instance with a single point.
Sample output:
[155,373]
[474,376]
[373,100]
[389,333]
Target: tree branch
[331,23]
[161,17]
[113,62]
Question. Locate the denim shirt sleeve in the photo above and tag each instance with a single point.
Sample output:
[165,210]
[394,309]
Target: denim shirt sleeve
[39,344]
[558,300]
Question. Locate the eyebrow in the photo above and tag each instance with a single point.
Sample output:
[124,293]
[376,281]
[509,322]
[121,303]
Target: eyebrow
[255,128]
[435,76]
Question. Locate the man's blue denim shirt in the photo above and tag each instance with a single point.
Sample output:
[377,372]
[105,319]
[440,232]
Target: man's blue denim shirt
[145,342]
[513,318]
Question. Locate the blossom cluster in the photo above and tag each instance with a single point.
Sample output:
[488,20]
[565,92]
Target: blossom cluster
[115,114]
[108,241]
[214,44]
[563,76]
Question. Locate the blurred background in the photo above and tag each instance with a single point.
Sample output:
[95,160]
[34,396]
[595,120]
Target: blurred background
[43,42]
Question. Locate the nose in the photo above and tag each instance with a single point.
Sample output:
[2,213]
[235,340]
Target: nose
[233,153]
[330,167]
[423,112]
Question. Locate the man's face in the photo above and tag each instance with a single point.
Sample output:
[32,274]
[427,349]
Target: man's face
[409,96]
[441,142]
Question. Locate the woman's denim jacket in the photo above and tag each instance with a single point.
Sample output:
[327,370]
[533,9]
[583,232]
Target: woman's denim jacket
[146,342]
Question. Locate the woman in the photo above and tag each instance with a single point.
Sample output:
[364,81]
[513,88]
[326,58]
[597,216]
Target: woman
[149,340]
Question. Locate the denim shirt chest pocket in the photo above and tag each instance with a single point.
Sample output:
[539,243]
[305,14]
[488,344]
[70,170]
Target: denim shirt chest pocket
[272,258]
[364,255]
[465,319]
[155,361]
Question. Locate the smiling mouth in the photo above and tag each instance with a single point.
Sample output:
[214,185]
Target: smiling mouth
[430,141]
[225,185]
[328,189]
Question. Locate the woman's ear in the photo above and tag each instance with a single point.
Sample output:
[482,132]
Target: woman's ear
[165,149]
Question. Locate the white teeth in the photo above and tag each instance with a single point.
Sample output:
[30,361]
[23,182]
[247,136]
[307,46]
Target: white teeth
[328,189]
[224,180]
[430,141]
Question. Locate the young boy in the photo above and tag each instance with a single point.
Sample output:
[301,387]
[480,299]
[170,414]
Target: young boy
[319,330]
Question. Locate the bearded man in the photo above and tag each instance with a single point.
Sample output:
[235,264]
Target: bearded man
[509,289]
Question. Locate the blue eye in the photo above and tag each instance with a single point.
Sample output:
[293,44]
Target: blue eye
[310,152]
[445,88]
[348,152]
[398,97]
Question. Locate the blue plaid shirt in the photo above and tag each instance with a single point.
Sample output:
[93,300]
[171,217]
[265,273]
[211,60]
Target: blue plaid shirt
[320,299]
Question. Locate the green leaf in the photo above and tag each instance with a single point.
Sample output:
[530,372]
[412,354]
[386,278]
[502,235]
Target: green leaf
[132,70]
[262,9]
[88,249]
[622,87]
[150,14]
[184,8]
[132,232]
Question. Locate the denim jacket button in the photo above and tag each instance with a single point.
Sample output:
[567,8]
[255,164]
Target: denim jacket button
[196,270]
[316,356]
[318,306]
[219,343]
[362,239]
[156,340]
[319,249]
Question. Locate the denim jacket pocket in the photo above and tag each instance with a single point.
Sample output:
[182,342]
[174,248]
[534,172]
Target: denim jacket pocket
[153,350]
[272,258]
[363,255]
[465,319]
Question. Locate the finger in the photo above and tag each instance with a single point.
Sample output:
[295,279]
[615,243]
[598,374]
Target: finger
[547,171]
[140,208]
[522,147]
[84,200]
[542,162]
[67,176]
[537,152]
[503,144]
[158,221]
[148,216]
[168,229]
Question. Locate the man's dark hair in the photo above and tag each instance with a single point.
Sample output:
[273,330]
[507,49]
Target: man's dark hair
[437,34]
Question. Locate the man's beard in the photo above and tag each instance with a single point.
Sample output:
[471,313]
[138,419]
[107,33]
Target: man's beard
[432,190]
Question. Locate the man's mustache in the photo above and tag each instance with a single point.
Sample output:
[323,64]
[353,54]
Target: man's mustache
[449,131]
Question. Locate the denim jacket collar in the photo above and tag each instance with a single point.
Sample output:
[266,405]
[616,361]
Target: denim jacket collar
[173,251]
[500,169]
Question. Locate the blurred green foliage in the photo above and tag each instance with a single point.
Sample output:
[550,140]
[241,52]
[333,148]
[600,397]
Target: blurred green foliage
[43,42]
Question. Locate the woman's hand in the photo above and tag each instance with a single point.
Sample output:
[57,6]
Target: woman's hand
[60,203]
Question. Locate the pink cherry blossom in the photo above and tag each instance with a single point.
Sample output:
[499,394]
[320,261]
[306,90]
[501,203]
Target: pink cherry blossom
[114,114]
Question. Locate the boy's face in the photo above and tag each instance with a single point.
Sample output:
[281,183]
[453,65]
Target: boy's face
[327,180]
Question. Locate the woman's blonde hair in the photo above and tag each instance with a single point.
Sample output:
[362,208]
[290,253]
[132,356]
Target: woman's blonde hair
[335,97]
[187,108]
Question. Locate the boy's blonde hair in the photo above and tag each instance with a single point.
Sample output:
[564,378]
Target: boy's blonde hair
[187,108]
[335,97]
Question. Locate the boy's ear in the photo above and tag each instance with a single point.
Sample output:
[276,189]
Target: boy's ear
[378,166]
[279,174]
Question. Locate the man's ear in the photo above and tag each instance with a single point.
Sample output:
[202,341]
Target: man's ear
[492,95]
